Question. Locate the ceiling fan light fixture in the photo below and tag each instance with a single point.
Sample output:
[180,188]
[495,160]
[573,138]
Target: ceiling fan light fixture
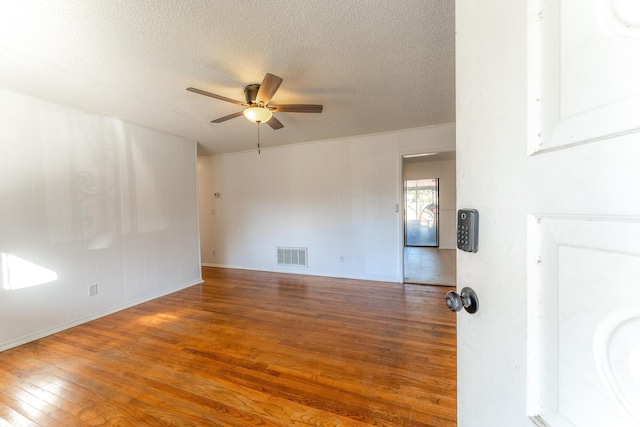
[258,97]
[257,114]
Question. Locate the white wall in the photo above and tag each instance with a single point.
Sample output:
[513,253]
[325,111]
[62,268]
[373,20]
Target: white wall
[88,199]
[445,170]
[335,197]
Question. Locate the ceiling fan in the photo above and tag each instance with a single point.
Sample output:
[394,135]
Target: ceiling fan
[258,108]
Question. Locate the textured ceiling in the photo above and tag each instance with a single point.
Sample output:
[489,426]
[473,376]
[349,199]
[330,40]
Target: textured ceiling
[375,65]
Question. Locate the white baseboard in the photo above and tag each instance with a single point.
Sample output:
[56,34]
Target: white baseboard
[306,272]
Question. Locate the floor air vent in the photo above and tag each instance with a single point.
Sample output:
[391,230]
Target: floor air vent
[292,256]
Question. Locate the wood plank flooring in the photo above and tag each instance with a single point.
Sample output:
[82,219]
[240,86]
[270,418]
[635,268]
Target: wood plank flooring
[246,349]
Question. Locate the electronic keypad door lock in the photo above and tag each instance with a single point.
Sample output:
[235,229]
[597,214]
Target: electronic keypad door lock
[467,299]
[468,230]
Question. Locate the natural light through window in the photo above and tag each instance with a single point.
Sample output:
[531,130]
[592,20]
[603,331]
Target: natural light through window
[18,273]
[421,212]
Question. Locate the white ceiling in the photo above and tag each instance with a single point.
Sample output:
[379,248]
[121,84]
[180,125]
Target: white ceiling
[375,65]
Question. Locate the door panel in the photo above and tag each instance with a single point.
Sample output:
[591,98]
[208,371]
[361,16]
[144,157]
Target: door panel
[583,359]
[553,171]
[584,67]
[583,149]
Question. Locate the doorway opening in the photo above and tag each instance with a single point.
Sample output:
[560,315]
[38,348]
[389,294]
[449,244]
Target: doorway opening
[429,219]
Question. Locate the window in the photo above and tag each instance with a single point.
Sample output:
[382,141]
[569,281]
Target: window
[421,212]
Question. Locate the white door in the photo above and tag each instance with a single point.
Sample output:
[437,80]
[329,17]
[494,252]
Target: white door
[548,146]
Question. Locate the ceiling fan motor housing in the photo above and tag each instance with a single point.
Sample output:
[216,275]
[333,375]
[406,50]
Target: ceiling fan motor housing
[251,93]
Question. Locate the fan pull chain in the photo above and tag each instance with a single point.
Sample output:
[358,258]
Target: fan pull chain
[258,137]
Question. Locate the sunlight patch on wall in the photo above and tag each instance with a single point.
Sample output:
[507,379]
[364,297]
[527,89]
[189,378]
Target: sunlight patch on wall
[18,273]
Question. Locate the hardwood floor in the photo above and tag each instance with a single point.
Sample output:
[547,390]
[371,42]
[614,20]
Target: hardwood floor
[246,349]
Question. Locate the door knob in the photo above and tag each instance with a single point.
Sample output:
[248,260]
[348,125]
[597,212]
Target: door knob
[467,299]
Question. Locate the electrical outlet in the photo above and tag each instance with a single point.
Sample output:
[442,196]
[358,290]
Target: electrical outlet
[93,290]
[213,252]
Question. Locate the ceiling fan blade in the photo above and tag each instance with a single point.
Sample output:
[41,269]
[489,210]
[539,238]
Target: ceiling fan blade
[297,108]
[229,117]
[213,95]
[275,123]
[268,88]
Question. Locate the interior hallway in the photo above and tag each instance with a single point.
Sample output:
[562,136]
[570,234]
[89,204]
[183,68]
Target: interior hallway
[431,266]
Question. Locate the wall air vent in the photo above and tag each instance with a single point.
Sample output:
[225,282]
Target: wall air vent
[292,256]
